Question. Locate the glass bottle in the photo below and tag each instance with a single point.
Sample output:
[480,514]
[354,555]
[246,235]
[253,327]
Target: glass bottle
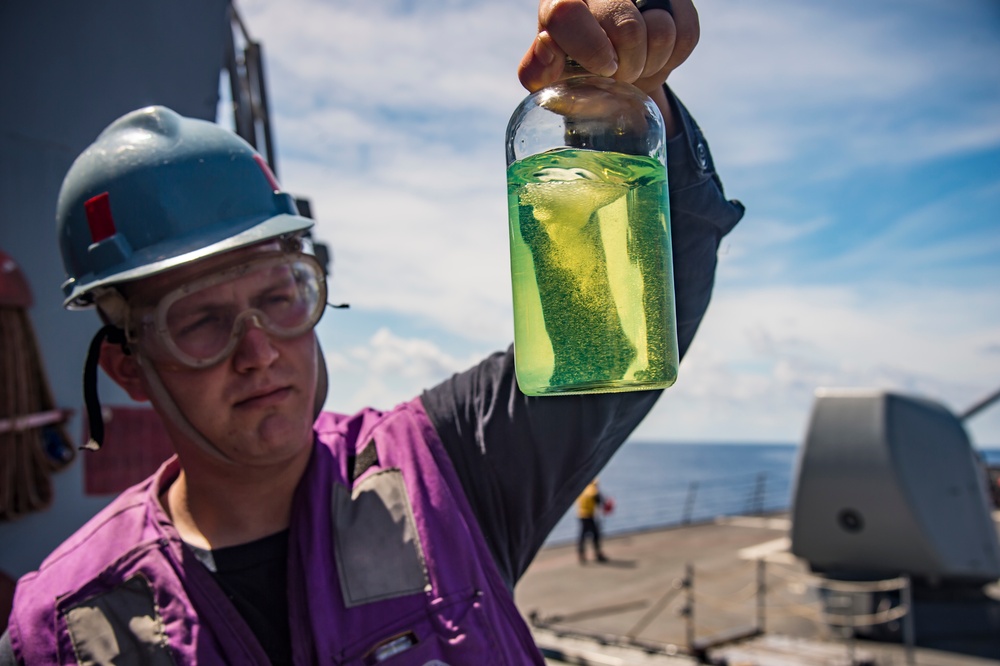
[590,256]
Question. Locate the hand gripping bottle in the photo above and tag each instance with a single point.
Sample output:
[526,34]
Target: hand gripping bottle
[590,239]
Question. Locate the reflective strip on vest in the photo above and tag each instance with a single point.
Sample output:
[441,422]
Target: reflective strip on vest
[120,627]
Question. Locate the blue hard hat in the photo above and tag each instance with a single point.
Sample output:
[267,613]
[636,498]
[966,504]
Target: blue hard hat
[157,190]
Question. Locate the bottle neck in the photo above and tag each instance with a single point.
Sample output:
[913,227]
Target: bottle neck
[572,69]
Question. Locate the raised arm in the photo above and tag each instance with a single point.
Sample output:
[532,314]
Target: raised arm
[523,461]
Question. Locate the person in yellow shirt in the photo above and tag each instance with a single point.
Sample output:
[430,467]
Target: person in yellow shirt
[588,505]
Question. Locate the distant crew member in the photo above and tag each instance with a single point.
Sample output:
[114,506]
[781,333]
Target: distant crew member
[588,505]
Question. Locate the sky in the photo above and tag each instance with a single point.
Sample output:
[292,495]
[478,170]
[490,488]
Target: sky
[863,138]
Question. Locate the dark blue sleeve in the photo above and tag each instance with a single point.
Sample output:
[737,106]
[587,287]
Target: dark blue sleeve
[522,460]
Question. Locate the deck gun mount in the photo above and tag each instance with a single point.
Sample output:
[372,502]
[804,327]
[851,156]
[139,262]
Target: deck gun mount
[889,485]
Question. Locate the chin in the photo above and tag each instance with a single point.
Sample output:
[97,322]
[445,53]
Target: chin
[283,436]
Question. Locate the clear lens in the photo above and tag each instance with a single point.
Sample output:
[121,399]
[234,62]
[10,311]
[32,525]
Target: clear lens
[201,323]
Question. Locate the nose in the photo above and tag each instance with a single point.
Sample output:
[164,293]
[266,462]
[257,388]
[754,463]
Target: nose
[255,349]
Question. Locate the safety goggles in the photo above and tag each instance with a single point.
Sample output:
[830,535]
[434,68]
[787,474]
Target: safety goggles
[201,323]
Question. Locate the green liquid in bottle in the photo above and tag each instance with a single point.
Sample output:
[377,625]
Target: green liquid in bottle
[591,273]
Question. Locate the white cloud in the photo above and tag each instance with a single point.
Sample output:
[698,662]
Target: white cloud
[848,85]
[760,355]
[941,241]
[388,369]
[441,258]
[433,56]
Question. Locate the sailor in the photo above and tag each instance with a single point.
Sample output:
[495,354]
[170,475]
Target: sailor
[588,504]
[276,535]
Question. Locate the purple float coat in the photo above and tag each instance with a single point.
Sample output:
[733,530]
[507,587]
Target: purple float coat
[393,561]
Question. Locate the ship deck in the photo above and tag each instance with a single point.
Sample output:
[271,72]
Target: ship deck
[633,609]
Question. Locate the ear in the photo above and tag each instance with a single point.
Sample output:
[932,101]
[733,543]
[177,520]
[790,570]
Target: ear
[124,370]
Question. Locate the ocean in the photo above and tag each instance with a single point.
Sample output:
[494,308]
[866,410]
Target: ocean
[655,485]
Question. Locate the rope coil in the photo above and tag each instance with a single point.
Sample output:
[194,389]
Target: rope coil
[33,441]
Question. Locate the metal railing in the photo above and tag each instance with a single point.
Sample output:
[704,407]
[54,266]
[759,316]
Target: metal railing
[697,501]
[685,597]
[705,499]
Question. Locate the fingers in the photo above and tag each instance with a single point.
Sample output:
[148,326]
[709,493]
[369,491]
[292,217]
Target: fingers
[669,39]
[542,64]
[625,29]
[688,32]
[566,28]
[661,37]
[580,33]
[610,38]
[606,37]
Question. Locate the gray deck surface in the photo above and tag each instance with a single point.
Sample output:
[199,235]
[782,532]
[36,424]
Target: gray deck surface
[637,598]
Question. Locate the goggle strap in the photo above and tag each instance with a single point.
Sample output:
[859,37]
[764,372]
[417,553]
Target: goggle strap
[168,409]
[95,417]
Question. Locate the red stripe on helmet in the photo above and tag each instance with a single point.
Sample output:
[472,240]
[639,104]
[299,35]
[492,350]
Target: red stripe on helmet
[267,172]
[99,219]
